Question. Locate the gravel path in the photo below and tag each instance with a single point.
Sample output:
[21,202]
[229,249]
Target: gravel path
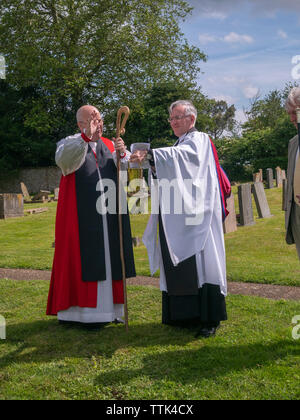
[248,289]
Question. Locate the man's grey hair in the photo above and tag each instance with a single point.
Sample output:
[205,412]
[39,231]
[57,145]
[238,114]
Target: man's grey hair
[189,107]
[293,100]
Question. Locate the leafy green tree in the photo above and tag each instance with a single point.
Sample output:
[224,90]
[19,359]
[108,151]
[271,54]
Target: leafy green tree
[103,52]
[215,117]
[21,146]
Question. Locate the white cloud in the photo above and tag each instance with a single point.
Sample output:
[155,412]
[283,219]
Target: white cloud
[220,9]
[250,91]
[227,98]
[282,34]
[206,38]
[215,15]
[233,37]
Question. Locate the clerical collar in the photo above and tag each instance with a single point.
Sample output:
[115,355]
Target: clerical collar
[180,140]
[87,139]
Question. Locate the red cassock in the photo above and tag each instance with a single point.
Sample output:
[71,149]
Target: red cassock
[67,287]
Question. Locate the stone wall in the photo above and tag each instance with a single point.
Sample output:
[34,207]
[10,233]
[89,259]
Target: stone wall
[35,179]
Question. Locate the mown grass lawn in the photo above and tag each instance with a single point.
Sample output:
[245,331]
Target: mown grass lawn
[253,356]
[255,253]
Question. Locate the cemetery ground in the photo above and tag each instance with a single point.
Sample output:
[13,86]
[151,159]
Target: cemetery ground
[253,356]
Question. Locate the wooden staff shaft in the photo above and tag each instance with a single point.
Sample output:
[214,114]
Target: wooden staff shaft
[120,131]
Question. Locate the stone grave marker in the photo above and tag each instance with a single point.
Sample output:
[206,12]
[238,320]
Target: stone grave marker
[270,183]
[260,198]
[27,198]
[278,177]
[245,205]
[41,196]
[256,177]
[56,192]
[229,224]
[11,205]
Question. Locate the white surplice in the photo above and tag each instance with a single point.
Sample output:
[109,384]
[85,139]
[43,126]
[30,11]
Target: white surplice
[198,230]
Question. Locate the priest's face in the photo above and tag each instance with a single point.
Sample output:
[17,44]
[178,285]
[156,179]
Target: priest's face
[90,122]
[180,122]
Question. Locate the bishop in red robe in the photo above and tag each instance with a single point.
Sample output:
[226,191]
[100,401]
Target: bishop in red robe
[86,283]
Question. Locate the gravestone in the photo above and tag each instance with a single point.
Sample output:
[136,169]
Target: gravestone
[229,224]
[245,205]
[41,196]
[284,193]
[270,183]
[283,174]
[256,177]
[261,178]
[260,198]
[27,198]
[11,205]
[278,177]
[56,192]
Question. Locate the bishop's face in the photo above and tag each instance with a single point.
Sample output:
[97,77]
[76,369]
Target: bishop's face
[180,122]
[91,123]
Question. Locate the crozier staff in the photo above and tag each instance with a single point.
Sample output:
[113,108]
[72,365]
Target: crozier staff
[86,283]
[190,256]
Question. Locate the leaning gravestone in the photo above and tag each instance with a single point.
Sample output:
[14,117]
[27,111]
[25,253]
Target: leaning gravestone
[270,182]
[229,224]
[260,198]
[27,198]
[11,205]
[245,205]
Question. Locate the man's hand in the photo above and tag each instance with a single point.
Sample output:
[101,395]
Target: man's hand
[94,126]
[119,145]
[138,156]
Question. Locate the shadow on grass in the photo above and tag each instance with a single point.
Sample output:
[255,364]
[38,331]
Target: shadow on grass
[47,341]
[209,362]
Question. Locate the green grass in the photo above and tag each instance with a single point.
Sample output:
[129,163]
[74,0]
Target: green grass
[255,253]
[253,356]
[259,253]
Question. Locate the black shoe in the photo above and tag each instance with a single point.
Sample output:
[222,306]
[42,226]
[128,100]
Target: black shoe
[206,332]
[119,321]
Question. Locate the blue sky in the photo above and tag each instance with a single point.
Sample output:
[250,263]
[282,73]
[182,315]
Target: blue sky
[250,45]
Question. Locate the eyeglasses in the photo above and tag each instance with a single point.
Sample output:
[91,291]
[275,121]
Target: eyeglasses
[177,118]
